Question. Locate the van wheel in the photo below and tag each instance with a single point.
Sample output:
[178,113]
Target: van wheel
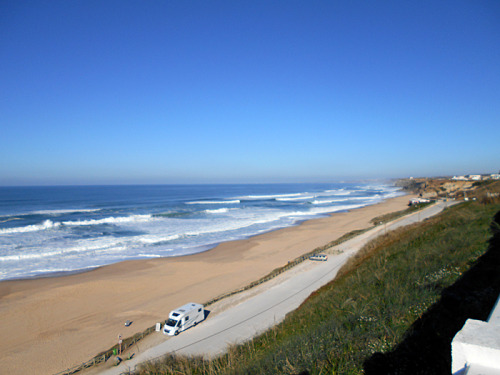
[176,333]
[195,323]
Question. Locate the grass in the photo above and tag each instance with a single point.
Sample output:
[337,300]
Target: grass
[293,263]
[395,215]
[129,341]
[380,305]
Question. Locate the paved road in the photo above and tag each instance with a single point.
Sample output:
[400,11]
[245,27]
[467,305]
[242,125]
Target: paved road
[264,310]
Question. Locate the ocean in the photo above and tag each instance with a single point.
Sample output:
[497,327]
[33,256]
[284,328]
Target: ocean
[46,231]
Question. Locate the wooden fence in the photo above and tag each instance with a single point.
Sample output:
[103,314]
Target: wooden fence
[104,356]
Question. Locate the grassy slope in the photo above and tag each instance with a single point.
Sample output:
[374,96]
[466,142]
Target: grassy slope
[372,317]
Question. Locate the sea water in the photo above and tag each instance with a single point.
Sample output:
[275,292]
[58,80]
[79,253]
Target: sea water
[51,230]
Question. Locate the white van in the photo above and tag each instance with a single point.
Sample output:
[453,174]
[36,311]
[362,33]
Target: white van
[183,318]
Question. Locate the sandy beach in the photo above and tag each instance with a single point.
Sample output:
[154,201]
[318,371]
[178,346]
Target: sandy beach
[51,324]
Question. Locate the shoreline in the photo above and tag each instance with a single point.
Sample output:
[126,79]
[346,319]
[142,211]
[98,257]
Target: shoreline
[47,317]
[56,274]
[209,247]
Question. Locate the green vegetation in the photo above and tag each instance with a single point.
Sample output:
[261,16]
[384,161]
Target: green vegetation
[489,192]
[396,215]
[132,340]
[379,301]
[290,264]
[483,183]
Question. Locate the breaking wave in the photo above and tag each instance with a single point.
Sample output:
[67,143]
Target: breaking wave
[268,197]
[234,201]
[56,237]
[336,200]
[63,211]
[305,197]
[218,211]
[110,220]
[49,224]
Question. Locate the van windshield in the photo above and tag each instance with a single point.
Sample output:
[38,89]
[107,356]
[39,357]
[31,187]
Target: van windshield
[172,322]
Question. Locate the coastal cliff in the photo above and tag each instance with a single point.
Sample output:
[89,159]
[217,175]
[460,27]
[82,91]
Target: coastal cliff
[447,188]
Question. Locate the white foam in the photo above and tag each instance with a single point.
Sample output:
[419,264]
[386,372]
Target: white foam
[152,240]
[328,201]
[215,229]
[333,193]
[324,210]
[42,271]
[217,211]
[237,222]
[234,201]
[256,219]
[62,211]
[393,194]
[338,208]
[341,192]
[69,246]
[305,197]
[110,220]
[82,246]
[51,212]
[47,224]
[30,256]
[272,196]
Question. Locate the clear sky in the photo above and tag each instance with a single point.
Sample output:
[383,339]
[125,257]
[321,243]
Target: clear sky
[111,92]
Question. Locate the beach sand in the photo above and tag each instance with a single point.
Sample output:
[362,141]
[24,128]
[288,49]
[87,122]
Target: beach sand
[51,324]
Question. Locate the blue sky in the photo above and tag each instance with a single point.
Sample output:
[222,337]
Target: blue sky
[112,92]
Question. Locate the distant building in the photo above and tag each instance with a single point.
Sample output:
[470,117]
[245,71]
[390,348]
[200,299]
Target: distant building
[477,177]
[414,201]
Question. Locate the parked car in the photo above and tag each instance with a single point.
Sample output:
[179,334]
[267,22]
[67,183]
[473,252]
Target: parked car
[320,257]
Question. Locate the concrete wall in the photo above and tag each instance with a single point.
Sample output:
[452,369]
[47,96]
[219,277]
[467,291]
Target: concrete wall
[475,349]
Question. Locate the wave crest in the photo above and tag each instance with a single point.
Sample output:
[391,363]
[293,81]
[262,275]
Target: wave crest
[271,196]
[234,201]
[110,220]
[290,199]
[219,210]
[47,224]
